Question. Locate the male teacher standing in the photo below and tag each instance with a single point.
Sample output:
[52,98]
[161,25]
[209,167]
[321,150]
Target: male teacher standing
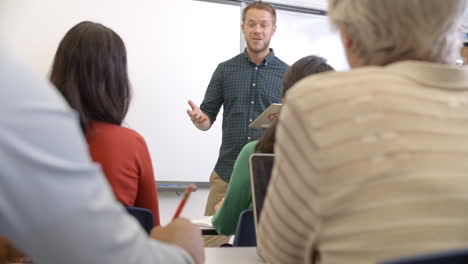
[246,84]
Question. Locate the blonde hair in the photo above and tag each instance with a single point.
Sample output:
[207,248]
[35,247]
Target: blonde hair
[262,6]
[386,31]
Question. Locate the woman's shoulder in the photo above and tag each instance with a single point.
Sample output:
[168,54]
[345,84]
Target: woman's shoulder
[246,151]
[249,147]
[107,131]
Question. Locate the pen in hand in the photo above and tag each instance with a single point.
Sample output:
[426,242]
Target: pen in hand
[183,201]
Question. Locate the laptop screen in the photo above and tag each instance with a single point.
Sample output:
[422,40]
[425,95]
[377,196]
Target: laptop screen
[261,166]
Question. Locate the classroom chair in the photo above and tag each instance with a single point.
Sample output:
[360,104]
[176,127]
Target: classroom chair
[143,215]
[449,257]
[245,233]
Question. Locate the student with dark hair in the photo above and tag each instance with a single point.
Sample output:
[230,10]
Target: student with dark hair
[90,71]
[55,204]
[239,196]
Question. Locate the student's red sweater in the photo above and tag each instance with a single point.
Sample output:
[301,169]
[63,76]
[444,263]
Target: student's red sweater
[125,160]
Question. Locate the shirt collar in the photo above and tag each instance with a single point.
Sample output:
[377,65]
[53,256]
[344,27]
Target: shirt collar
[268,60]
[432,74]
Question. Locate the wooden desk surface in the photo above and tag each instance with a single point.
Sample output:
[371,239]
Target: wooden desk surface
[232,255]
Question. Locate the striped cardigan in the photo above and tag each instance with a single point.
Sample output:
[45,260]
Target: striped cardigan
[372,165]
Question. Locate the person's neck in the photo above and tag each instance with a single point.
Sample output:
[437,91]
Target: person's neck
[258,57]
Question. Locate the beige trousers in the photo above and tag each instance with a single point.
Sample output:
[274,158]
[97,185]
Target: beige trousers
[218,188]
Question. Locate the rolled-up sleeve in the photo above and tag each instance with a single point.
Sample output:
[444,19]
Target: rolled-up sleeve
[214,95]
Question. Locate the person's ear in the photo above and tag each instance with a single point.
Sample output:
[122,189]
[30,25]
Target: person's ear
[348,45]
[345,38]
[243,28]
[274,30]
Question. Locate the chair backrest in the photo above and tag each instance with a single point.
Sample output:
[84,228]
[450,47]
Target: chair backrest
[449,257]
[143,215]
[245,233]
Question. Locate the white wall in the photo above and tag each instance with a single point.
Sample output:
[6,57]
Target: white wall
[300,34]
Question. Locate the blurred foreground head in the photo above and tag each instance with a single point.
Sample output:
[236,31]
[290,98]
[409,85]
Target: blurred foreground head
[379,32]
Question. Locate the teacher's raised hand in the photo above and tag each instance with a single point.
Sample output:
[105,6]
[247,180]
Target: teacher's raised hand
[199,119]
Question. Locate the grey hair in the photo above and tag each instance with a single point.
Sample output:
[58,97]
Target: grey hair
[386,31]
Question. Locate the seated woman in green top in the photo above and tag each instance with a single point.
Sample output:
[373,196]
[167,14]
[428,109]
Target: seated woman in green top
[238,196]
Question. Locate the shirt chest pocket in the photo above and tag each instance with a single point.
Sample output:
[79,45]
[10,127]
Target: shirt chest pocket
[269,95]
[268,88]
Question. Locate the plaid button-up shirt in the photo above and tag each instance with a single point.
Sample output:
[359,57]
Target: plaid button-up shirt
[245,90]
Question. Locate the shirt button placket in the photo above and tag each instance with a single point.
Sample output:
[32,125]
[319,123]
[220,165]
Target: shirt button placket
[253,94]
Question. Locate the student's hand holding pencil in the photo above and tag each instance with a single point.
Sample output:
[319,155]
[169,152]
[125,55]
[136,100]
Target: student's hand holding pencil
[183,233]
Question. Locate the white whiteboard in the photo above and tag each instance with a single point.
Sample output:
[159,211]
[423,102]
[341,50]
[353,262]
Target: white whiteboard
[173,48]
[300,34]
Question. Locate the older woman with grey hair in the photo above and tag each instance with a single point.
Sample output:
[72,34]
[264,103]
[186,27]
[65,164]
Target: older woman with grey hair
[372,164]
